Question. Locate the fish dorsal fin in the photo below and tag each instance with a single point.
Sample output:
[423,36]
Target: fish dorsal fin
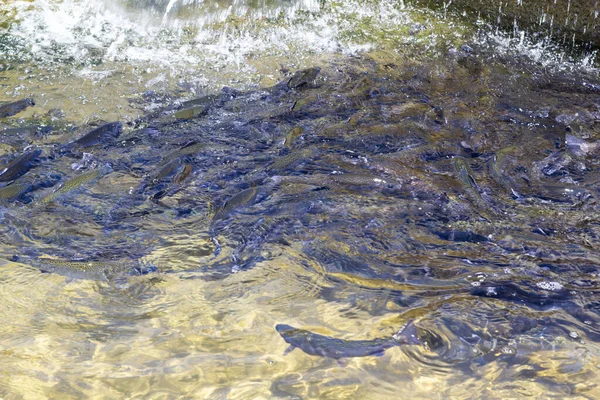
[289,349]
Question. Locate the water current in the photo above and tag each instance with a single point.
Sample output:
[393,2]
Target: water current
[408,199]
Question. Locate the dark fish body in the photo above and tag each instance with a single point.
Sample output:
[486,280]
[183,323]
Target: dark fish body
[183,174]
[104,270]
[99,135]
[461,236]
[188,150]
[305,77]
[26,130]
[19,166]
[204,101]
[169,170]
[174,171]
[237,200]
[7,110]
[496,165]
[325,346]
[463,172]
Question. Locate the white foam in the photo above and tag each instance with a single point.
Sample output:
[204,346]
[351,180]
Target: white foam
[550,286]
[90,31]
[543,50]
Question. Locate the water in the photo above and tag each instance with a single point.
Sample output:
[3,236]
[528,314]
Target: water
[425,171]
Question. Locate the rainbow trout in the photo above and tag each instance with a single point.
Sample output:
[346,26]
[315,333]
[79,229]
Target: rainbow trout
[239,199]
[10,109]
[19,166]
[14,191]
[192,112]
[102,270]
[286,161]
[76,182]
[325,346]
[303,78]
[187,150]
[98,135]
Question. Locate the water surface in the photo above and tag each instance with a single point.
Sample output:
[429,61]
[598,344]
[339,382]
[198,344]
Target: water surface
[403,179]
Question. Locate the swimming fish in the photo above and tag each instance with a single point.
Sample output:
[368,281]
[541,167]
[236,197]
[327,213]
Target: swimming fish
[463,172]
[205,101]
[192,112]
[9,109]
[285,161]
[98,135]
[19,166]
[187,150]
[325,346]
[580,147]
[103,270]
[169,170]
[350,179]
[14,191]
[305,77]
[496,165]
[76,182]
[291,136]
[239,199]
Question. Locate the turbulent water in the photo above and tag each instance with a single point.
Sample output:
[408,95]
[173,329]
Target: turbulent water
[187,178]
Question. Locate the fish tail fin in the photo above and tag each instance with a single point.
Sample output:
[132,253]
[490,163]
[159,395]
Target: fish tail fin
[211,211]
[407,334]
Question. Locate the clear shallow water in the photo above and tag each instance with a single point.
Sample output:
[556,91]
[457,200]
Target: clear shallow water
[432,185]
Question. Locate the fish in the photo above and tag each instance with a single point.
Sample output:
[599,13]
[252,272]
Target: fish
[461,236]
[183,174]
[175,171]
[205,101]
[98,135]
[302,78]
[192,112]
[580,147]
[350,179]
[169,170]
[325,346]
[237,200]
[100,270]
[76,182]
[465,175]
[463,172]
[291,136]
[14,191]
[27,130]
[285,161]
[240,199]
[496,165]
[187,150]
[19,166]
[10,109]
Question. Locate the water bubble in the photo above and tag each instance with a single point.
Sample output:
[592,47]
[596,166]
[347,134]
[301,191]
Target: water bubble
[551,286]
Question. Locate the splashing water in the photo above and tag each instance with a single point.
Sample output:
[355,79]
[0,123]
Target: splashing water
[201,46]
